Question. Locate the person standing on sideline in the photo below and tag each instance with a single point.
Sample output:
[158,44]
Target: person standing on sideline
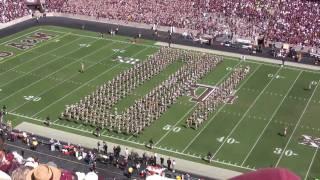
[173,165]
[155,158]
[126,153]
[161,161]
[98,146]
[105,147]
[169,164]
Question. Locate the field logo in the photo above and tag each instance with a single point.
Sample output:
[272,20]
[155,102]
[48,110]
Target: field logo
[5,54]
[31,41]
[32,98]
[309,141]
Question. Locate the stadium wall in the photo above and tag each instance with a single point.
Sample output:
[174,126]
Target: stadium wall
[132,29]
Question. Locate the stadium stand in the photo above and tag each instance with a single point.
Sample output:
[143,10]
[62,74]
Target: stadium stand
[290,21]
[12,9]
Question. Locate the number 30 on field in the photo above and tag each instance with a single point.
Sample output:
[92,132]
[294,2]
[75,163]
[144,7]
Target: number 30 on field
[169,127]
[288,152]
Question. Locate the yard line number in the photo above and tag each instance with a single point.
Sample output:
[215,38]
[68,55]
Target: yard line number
[275,76]
[119,50]
[128,60]
[32,98]
[229,140]
[84,45]
[287,152]
[169,127]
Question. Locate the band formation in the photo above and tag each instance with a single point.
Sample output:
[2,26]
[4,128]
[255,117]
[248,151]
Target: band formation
[99,108]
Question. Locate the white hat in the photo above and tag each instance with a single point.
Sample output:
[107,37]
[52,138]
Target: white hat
[91,176]
[30,162]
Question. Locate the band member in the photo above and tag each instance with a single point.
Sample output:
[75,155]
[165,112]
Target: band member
[82,68]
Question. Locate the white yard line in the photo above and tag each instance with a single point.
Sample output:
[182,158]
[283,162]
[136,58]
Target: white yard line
[182,118]
[136,143]
[295,128]
[40,54]
[33,48]
[271,118]
[311,163]
[39,79]
[157,46]
[20,36]
[87,82]
[65,80]
[245,114]
[192,108]
[205,126]
[38,67]
[108,39]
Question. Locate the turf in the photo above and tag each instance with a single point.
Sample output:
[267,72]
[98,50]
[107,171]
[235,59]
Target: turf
[242,136]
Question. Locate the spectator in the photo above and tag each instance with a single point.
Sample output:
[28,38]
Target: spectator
[161,161]
[173,165]
[44,172]
[169,164]
[20,173]
[105,147]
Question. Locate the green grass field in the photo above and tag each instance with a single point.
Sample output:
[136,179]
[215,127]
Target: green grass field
[40,81]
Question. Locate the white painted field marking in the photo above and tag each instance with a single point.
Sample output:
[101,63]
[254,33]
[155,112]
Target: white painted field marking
[287,152]
[192,108]
[119,41]
[295,128]
[53,78]
[33,48]
[65,80]
[133,142]
[38,67]
[39,79]
[311,163]
[20,36]
[40,54]
[78,126]
[108,70]
[205,126]
[244,115]
[271,118]
[230,59]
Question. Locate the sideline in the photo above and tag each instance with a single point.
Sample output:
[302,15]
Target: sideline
[181,164]
[269,61]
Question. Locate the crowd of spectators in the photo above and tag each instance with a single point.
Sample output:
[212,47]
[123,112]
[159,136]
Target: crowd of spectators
[290,21]
[12,9]
[15,165]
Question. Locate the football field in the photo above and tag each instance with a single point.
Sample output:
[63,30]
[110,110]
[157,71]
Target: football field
[39,76]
